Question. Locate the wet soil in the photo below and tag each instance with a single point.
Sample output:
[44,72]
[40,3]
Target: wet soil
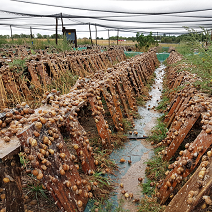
[138,151]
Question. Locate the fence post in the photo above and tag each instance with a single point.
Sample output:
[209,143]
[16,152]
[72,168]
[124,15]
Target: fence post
[56,30]
[11,32]
[108,38]
[90,34]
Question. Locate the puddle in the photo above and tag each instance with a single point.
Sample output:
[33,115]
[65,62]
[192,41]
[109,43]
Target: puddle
[138,151]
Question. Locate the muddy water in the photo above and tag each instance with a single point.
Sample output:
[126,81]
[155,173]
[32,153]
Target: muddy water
[138,151]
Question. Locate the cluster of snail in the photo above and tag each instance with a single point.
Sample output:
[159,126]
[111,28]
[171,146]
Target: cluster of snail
[204,169]
[189,104]
[50,161]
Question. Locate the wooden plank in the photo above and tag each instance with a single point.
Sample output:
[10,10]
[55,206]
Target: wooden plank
[101,124]
[183,131]
[121,96]
[171,111]
[53,179]
[202,142]
[111,107]
[180,201]
[35,80]
[80,140]
[13,188]
[115,100]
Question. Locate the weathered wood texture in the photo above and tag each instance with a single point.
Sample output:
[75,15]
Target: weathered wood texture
[13,188]
[40,131]
[190,196]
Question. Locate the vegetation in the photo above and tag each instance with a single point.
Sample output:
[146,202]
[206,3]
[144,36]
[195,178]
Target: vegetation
[158,133]
[197,55]
[153,171]
[108,206]
[150,204]
[163,103]
[144,42]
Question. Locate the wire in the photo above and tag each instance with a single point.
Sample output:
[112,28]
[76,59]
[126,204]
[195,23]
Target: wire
[98,18]
[66,7]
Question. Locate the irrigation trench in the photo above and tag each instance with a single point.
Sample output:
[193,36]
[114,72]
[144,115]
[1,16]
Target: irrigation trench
[138,151]
[40,134]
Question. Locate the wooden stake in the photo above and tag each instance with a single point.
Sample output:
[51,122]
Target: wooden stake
[108,37]
[11,32]
[56,31]
[90,34]
[61,19]
[96,34]
[117,37]
[31,32]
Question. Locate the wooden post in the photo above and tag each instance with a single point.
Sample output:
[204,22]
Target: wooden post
[96,34]
[108,37]
[90,34]
[117,37]
[211,34]
[56,30]
[11,32]
[13,189]
[31,32]
[61,19]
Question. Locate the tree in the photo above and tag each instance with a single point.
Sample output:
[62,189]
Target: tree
[39,36]
[145,41]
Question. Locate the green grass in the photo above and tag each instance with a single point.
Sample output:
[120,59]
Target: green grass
[127,124]
[109,206]
[198,60]
[156,168]
[158,133]
[149,204]
[36,191]
[163,103]
[147,188]
[140,101]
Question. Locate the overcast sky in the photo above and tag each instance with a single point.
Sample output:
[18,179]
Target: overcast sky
[127,22]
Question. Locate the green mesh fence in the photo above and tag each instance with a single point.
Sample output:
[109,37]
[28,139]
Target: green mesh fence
[132,54]
[162,56]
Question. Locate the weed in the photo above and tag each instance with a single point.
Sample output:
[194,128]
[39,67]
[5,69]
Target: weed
[140,101]
[118,139]
[109,206]
[36,191]
[135,114]
[197,56]
[127,124]
[158,133]
[147,188]
[163,103]
[23,159]
[18,65]
[154,171]
[149,204]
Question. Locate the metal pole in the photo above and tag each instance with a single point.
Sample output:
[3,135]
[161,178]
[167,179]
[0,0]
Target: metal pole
[117,37]
[11,32]
[56,31]
[90,34]
[96,34]
[108,37]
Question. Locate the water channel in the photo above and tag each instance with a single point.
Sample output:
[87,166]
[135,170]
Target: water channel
[138,150]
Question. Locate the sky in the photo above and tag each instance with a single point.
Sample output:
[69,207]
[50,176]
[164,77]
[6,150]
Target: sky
[127,17]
